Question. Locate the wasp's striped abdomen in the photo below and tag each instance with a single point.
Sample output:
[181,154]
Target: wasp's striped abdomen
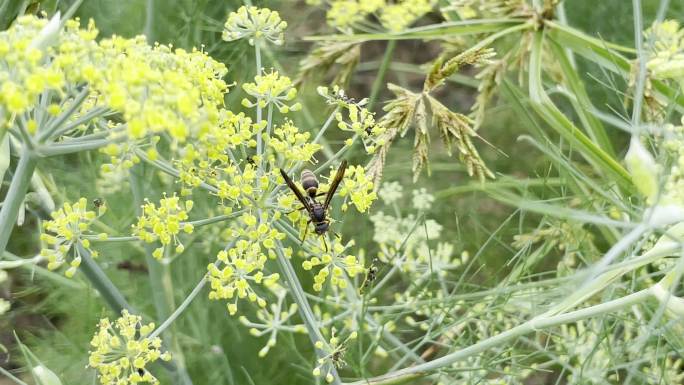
[309,183]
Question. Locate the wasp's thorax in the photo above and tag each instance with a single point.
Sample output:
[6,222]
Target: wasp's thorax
[309,183]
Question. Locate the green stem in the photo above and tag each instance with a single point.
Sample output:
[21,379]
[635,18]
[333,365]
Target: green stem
[15,196]
[64,116]
[160,284]
[533,325]
[303,305]
[109,292]
[181,308]
[64,149]
[336,156]
[380,77]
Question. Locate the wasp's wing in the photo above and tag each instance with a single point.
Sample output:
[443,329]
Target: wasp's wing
[335,183]
[295,190]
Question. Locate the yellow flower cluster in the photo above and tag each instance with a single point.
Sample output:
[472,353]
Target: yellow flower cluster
[334,264]
[255,24]
[122,350]
[69,225]
[357,187]
[208,158]
[271,88]
[395,16]
[159,89]
[667,51]
[164,223]
[358,120]
[289,145]
[334,355]
[243,264]
[31,62]
[155,89]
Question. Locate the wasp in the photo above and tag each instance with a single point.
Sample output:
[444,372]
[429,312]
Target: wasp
[371,276]
[317,211]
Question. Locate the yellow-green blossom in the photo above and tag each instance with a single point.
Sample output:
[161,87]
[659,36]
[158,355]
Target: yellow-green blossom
[395,16]
[161,89]
[357,187]
[164,223]
[354,117]
[255,24]
[121,351]
[242,265]
[69,226]
[400,15]
[666,60]
[272,319]
[271,88]
[289,144]
[333,264]
[28,68]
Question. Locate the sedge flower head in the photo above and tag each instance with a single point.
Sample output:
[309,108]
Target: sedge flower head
[164,222]
[122,350]
[357,187]
[333,265]
[70,226]
[255,24]
[271,88]
[240,268]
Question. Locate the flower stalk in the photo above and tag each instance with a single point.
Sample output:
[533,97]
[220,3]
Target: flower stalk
[15,195]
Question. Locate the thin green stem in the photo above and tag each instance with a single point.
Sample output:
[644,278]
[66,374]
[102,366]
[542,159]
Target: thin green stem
[64,149]
[57,122]
[337,155]
[303,305]
[109,292]
[11,376]
[533,325]
[641,60]
[15,196]
[85,118]
[160,282]
[181,308]
[382,71]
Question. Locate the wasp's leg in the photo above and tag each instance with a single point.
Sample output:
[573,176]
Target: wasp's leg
[325,242]
[306,230]
[299,209]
